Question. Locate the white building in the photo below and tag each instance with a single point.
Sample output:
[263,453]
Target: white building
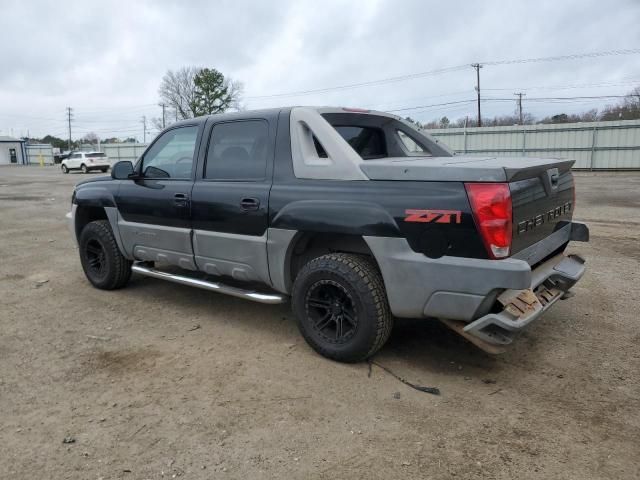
[12,151]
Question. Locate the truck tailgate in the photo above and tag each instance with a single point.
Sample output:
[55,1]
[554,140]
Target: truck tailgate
[540,207]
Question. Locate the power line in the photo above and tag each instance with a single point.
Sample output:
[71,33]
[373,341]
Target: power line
[488,100]
[574,56]
[383,81]
[120,109]
[569,87]
[108,130]
[440,71]
[544,99]
[432,105]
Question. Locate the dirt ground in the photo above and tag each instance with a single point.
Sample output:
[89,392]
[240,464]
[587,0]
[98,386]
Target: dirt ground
[163,381]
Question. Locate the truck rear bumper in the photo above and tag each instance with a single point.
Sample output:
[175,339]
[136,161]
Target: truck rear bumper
[97,166]
[446,287]
[550,282]
[470,290]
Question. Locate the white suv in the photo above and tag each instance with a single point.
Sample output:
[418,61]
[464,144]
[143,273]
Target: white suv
[85,162]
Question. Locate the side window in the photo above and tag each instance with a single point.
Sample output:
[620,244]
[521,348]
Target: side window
[238,151]
[171,156]
[412,145]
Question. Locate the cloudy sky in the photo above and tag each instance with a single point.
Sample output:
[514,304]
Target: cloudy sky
[106,59]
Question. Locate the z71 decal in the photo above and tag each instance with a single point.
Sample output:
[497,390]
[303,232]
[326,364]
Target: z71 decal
[433,216]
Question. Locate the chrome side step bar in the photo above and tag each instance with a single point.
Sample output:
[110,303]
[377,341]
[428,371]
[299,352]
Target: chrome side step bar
[270,298]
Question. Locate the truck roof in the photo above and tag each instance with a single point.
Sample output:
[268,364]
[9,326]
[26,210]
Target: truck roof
[275,110]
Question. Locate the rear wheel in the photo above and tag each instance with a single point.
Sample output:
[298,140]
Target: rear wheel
[64,169]
[103,264]
[341,306]
[83,168]
[104,170]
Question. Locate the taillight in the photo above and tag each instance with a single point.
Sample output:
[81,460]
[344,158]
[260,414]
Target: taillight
[492,212]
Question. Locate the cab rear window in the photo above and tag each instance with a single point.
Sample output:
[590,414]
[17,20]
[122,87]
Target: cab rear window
[369,142]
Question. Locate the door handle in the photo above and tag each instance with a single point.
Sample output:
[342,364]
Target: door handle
[180,199]
[249,204]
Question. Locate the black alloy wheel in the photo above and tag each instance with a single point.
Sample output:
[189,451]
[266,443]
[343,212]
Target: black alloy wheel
[332,311]
[96,258]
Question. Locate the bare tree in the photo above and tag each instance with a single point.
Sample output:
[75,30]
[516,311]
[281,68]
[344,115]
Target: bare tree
[156,122]
[178,90]
[91,138]
[193,91]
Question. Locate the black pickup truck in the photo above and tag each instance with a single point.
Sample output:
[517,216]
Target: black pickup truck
[353,215]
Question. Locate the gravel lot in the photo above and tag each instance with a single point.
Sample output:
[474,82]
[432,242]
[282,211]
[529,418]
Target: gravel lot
[161,381]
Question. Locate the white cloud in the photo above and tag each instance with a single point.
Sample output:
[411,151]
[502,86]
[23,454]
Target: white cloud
[106,60]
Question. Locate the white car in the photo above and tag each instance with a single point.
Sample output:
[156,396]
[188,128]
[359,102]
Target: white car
[85,162]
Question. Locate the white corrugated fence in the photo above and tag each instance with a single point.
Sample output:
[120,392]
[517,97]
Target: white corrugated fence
[123,151]
[596,145]
[37,153]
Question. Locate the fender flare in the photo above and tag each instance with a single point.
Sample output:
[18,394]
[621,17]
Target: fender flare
[321,216]
[100,197]
[94,196]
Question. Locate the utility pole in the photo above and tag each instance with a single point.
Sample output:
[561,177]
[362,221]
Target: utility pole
[519,95]
[69,110]
[477,66]
[144,129]
[163,108]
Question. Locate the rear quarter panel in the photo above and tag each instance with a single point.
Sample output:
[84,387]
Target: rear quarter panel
[381,208]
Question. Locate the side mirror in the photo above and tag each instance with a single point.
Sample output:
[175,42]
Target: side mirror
[122,170]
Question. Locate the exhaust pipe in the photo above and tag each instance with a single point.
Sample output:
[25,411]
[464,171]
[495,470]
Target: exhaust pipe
[269,298]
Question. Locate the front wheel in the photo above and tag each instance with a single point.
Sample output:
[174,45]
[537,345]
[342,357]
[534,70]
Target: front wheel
[103,264]
[341,306]
[64,169]
[83,168]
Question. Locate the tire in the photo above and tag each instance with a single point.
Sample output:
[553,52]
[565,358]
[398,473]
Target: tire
[102,262]
[333,288]
[104,170]
[84,169]
[64,169]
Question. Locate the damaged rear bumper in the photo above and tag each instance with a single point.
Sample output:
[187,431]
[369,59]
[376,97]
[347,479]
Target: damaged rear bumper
[549,283]
[486,301]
